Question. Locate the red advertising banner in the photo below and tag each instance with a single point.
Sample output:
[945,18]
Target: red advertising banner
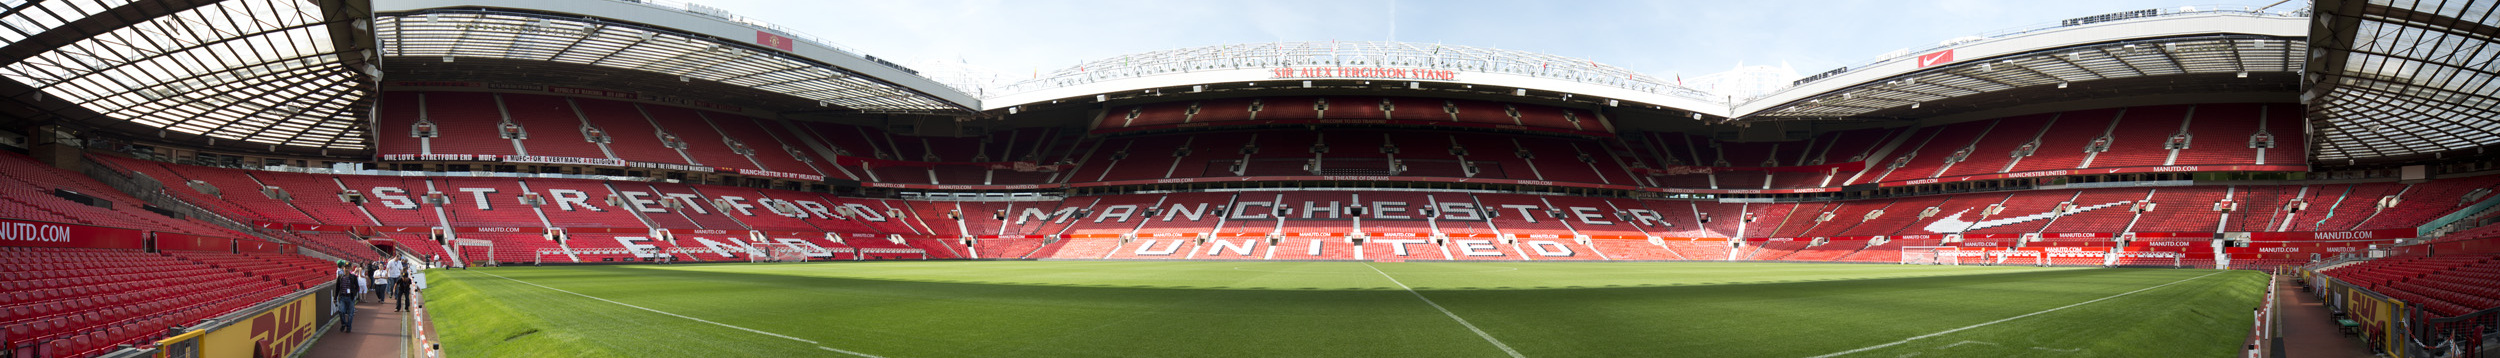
[596,230]
[1016,166]
[1264,122]
[398,230]
[2130,170]
[319,228]
[1363,72]
[1695,169]
[2387,234]
[770,40]
[1356,178]
[511,230]
[2175,236]
[1937,58]
[44,234]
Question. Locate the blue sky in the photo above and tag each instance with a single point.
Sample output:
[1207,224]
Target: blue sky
[1662,38]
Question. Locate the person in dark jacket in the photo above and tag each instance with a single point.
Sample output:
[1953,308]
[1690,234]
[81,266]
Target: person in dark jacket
[344,297]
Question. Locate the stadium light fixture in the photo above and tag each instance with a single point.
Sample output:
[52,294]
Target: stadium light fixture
[2061,85]
[1914,105]
[2243,74]
[1306,84]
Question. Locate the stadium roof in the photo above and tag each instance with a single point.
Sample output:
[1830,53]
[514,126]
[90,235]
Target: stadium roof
[2395,79]
[287,73]
[1256,61]
[550,38]
[2147,52]
[2153,51]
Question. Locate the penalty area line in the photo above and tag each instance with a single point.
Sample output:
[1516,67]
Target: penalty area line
[1471,327]
[2059,308]
[818,345]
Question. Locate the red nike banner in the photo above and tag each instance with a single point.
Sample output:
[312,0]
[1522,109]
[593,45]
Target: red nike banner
[1937,58]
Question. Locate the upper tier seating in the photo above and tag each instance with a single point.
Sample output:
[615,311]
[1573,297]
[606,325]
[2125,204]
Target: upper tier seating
[551,125]
[467,123]
[630,132]
[2138,138]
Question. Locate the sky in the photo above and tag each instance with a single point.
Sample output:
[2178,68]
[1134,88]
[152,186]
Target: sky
[1660,38]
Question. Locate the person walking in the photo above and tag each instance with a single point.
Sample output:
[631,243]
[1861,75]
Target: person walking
[390,270]
[381,281]
[345,297]
[402,286]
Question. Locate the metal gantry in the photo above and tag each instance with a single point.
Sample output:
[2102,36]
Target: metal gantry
[2403,78]
[256,71]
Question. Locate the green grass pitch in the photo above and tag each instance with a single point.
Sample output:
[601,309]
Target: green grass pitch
[1314,309]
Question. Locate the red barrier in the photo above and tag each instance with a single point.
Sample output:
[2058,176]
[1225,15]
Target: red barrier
[173,241]
[260,246]
[2488,245]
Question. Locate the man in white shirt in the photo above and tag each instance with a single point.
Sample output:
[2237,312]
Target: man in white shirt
[382,277]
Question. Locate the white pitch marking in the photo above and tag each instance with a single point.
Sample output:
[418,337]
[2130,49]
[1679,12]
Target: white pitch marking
[1958,344]
[1950,331]
[1446,312]
[819,345]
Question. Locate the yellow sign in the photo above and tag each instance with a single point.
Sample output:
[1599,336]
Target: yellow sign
[276,332]
[2377,319]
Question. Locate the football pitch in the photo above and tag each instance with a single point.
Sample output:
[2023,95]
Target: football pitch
[1309,309]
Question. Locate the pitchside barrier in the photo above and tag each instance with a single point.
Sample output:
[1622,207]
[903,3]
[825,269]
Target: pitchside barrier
[282,327]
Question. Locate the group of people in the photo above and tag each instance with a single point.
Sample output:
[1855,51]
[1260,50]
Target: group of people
[383,280]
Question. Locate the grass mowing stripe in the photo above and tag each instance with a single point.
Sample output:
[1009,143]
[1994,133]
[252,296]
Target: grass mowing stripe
[2059,308]
[818,345]
[1445,311]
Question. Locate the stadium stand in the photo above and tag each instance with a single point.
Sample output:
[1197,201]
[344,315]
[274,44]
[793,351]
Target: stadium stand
[468,123]
[551,124]
[2446,285]
[81,302]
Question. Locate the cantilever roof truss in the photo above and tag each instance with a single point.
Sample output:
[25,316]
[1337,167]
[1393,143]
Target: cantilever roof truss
[2403,78]
[256,71]
[451,34]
